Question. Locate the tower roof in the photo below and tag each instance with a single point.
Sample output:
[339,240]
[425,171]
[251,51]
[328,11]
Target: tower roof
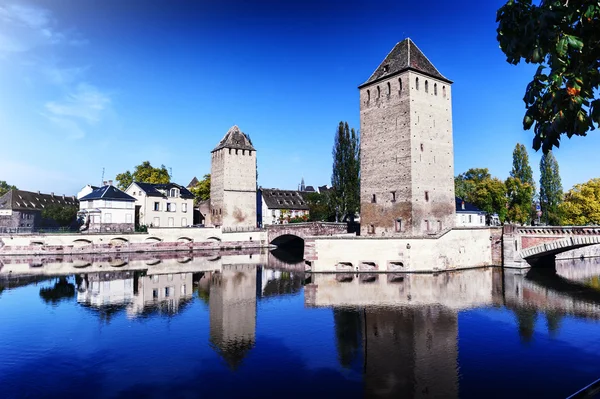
[405,56]
[235,138]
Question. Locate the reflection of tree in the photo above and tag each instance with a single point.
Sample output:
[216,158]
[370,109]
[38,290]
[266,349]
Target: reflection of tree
[553,320]
[348,334]
[526,318]
[62,289]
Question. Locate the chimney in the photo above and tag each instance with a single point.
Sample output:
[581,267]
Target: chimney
[104,183]
[110,182]
[52,194]
[39,193]
[63,197]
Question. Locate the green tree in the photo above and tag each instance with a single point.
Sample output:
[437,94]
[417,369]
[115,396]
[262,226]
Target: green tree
[201,190]
[63,216]
[320,207]
[551,192]
[5,187]
[520,188]
[581,204]
[345,179]
[478,187]
[144,173]
[564,37]
[520,197]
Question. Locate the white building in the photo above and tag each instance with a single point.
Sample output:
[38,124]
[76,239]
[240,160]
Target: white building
[468,215]
[279,206]
[162,205]
[107,209]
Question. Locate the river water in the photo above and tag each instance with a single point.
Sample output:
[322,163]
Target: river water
[252,326]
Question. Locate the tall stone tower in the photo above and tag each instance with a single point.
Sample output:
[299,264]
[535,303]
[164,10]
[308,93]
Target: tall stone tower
[407,156]
[233,181]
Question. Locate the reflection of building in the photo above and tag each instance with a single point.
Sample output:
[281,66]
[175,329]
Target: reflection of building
[162,292]
[232,305]
[279,282]
[99,289]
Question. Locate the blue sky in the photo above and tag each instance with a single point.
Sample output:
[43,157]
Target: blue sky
[87,85]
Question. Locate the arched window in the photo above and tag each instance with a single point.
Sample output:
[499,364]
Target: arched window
[444,91]
[422,147]
[417,83]
[426,87]
[368,95]
[399,86]
[435,89]
[389,89]
[378,92]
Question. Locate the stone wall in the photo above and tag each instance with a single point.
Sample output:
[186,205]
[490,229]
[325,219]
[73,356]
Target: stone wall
[305,229]
[407,157]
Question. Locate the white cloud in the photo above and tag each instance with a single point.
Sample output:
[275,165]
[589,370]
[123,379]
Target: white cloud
[86,103]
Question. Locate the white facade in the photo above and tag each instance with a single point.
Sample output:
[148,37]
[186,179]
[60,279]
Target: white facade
[279,216]
[167,210]
[470,219]
[99,212]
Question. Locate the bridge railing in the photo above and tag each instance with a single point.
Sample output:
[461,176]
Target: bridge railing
[559,230]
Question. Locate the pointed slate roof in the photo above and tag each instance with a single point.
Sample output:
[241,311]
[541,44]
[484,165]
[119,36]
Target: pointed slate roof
[193,183]
[108,193]
[405,56]
[236,139]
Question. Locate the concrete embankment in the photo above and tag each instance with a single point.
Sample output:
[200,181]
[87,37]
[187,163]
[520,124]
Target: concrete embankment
[156,240]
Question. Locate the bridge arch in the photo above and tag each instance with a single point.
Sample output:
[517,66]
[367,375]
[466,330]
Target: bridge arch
[185,239]
[118,241]
[153,239]
[81,242]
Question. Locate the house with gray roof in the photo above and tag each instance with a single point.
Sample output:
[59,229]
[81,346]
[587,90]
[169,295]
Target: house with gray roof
[162,205]
[107,209]
[279,206]
[468,215]
[21,210]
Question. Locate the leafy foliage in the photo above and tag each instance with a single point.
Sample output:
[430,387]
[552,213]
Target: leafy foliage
[321,208]
[201,190]
[5,187]
[485,192]
[60,215]
[520,188]
[564,37]
[581,205]
[551,192]
[345,179]
[144,173]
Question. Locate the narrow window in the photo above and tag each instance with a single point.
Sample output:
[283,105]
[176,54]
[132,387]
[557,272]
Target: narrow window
[236,151]
[435,89]
[243,152]
[393,196]
[155,293]
[372,229]
[398,225]
[368,96]
[399,86]
[444,91]
[439,225]
[373,199]
[426,196]
[427,225]
[422,147]
[470,218]
[389,89]
[378,92]
[230,151]
[417,83]
[426,87]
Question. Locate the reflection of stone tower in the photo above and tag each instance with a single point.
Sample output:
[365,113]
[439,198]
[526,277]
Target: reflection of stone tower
[411,353]
[407,156]
[232,305]
[233,181]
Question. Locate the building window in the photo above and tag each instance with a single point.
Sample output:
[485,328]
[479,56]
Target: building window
[373,199]
[422,147]
[155,293]
[236,151]
[426,86]
[167,292]
[169,207]
[426,225]
[399,87]
[157,206]
[393,196]
[444,91]
[183,222]
[398,225]
[368,96]
[372,229]
[439,225]
[481,219]
[184,207]
[389,89]
[156,222]
[470,218]
[417,83]
[378,92]
[426,196]
[435,89]
[183,289]
[107,218]
[171,222]
[128,218]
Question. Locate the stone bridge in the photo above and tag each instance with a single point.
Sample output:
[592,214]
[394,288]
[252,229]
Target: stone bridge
[525,246]
[280,234]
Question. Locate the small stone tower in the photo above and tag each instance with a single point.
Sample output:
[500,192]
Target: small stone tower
[233,181]
[407,156]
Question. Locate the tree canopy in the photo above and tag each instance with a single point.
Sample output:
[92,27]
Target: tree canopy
[581,205]
[479,188]
[144,173]
[520,188]
[61,215]
[563,37]
[320,206]
[345,179]
[5,187]
[551,192]
[201,190]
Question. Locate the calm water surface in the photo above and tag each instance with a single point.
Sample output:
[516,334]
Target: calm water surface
[250,326]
